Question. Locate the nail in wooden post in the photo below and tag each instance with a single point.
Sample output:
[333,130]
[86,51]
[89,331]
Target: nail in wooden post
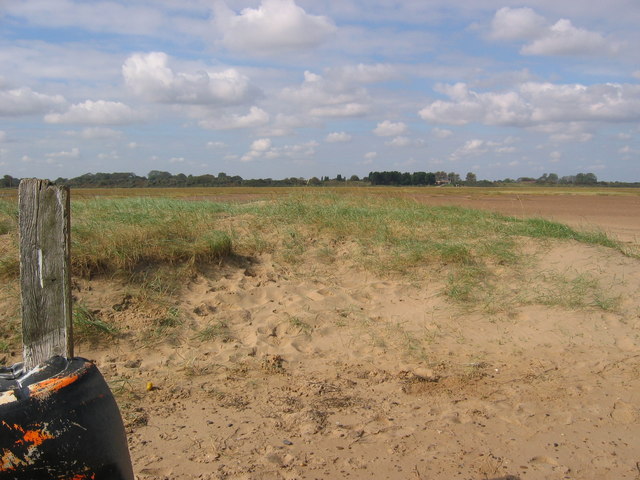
[45,282]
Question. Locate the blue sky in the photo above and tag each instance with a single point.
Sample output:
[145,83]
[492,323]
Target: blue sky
[281,88]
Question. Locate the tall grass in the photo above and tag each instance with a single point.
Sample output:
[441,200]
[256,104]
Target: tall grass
[111,235]
[128,235]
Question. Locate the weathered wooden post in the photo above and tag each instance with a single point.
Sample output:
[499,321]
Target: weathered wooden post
[58,418]
[45,281]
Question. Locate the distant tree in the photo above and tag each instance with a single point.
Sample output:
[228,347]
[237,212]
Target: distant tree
[453,177]
[552,178]
[440,176]
[339,178]
[314,181]
[354,178]
[431,178]
[419,178]
[586,179]
[9,181]
[471,178]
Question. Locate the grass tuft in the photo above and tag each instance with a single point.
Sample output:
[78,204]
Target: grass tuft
[89,327]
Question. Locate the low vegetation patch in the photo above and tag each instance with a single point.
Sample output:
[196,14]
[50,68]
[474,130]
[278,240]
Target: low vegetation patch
[157,243]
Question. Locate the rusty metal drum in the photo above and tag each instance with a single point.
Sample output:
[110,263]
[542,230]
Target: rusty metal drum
[60,421]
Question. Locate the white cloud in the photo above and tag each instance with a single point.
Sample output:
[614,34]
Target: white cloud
[261,145]
[73,153]
[399,142]
[560,38]
[263,148]
[388,129]
[294,152]
[101,16]
[479,146]
[255,118]
[92,133]
[176,160]
[516,24]
[471,147]
[442,132]
[345,110]
[112,155]
[363,73]
[337,137]
[370,155]
[275,26]
[24,101]
[150,77]
[216,145]
[100,112]
[325,98]
[535,104]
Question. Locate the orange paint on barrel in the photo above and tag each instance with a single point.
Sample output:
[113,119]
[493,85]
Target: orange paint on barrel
[30,439]
[51,385]
[36,437]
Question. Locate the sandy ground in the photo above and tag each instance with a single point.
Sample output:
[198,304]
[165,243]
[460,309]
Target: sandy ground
[321,370]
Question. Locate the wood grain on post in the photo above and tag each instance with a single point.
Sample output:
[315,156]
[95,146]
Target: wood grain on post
[45,281]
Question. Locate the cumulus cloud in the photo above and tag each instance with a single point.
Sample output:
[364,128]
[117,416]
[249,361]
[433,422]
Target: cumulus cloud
[96,16]
[92,133]
[517,24]
[560,38]
[442,132]
[536,104]
[363,73]
[275,26]
[100,112]
[388,128]
[479,146]
[399,142]
[255,118]
[257,150]
[73,153]
[24,101]
[324,98]
[337,137]
[150,76]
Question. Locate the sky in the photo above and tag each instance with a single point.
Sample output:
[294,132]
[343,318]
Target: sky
[303,88]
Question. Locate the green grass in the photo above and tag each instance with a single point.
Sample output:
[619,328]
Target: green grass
[122,234]
[157,243]
[89,327]
[214,331]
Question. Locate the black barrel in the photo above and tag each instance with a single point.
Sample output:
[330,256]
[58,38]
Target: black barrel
[60,421]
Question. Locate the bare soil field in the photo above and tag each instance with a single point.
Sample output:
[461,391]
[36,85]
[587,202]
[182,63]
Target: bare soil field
[320,369]
[618,215]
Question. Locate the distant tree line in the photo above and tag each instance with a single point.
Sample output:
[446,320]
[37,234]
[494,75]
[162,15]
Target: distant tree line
[157,178]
